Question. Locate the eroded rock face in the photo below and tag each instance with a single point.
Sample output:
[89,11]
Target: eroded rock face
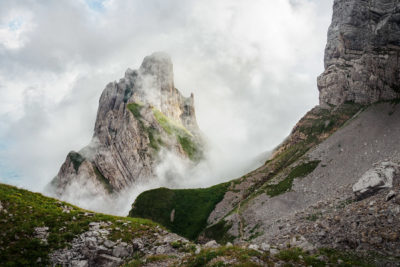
[362,53]
[137,117]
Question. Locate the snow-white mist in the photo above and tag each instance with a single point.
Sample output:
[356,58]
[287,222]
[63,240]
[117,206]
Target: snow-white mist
[252,66]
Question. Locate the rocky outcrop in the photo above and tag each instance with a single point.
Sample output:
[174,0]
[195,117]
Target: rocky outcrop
[138,116]
[375,179]
[362,54]
[95,248]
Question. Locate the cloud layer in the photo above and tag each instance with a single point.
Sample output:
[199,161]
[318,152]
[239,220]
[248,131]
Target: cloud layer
[251,65]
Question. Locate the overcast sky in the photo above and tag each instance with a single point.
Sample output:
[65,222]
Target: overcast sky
[252,66]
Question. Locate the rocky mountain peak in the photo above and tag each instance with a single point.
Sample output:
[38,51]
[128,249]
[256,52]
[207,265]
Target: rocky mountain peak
[159,64]
[362,53]
[137,117]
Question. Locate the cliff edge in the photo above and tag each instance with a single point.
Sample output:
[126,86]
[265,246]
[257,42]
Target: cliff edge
[362,54]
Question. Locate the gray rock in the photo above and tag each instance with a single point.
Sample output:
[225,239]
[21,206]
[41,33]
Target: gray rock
[42,233]
[121,251]
[361,56]
[164,249]
[138,244]
[390,195]
[79,263]
[375,179]
[108,243]
[198,250]
[265,247]
[211,244]
[273,251]
[254,247]
[108,261]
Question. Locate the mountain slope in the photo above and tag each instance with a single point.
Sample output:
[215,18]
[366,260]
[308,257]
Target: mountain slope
[315,127]
[35,229]
[137,117]
[297,198]
[41,231]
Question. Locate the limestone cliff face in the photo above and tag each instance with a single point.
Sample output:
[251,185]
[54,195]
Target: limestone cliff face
[137,117]
[362,54]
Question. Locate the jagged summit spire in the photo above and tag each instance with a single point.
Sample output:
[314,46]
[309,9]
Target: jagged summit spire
[159,65]
[137,116]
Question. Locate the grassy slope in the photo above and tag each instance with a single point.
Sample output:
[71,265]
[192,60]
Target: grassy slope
[22,211]
[289,257]
[192,207]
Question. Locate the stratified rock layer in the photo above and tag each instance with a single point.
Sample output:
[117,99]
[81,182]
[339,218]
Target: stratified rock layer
[362,54]
[137,117]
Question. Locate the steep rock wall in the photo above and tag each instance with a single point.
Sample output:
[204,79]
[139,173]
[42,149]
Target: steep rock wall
[362,54]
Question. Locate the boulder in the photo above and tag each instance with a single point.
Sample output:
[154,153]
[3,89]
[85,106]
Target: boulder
[211,244]
[379,177]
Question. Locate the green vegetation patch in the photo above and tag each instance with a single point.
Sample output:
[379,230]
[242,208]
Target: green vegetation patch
[135,108]
[184,137]
[23,211]
[190,208]
[326,257]
[286,184]
[76,159]
[241,257]
[170,126]
[189,147]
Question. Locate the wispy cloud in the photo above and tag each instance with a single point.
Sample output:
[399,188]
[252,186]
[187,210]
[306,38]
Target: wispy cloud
[251,65]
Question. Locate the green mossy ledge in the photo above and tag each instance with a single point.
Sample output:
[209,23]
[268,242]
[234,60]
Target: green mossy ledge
[183,211]
[183,136]
[22,211]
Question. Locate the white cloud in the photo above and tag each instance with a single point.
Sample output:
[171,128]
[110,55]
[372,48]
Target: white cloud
[14,28]
[252,66]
